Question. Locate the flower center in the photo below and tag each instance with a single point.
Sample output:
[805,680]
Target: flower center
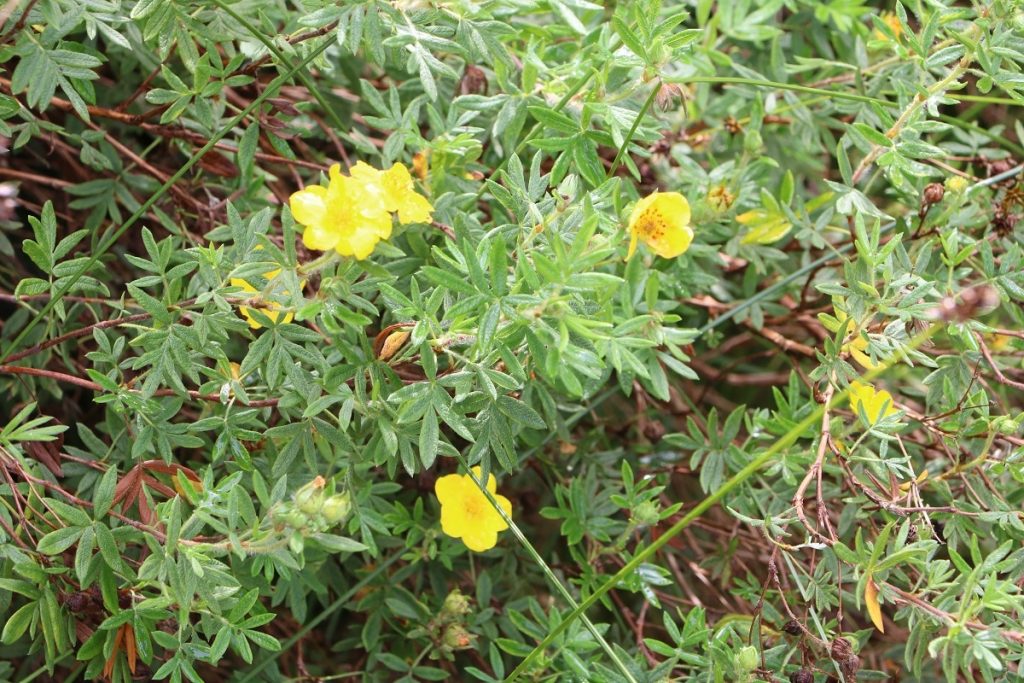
[475,506]
[652,225]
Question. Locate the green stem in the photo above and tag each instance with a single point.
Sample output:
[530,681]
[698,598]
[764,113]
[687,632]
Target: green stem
[632,130]
[558,585]
[302,75]
[777,85]
[733,482]
[315,621]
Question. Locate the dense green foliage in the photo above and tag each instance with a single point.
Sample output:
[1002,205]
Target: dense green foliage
[193,491]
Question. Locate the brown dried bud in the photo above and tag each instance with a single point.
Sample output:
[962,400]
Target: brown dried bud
[732,125]
[654,431]
[999,166]
[933,194]
[474,81]
[973,302]
[77,602]
[801,676]
[667,95]
[841,649]
[850,666]
[792,627]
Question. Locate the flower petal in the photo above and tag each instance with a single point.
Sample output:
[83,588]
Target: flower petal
[414,208]
[448,488]
[662,221]
[239,282]
[673,242]
[454,521]
[499,524]
[491,484]
[480,539]
[318,238]
[359,244]
[309,206]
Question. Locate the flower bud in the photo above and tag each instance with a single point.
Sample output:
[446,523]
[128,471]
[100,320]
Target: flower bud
[646,514]
[455,604]
[309,500]
[1005,425]
[310,497]
[720,199]
[336,508]
[457,637]
[747,659]
[752,142]
[956,184]
[296,519]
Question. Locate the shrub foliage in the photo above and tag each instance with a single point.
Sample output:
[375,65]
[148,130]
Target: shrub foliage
[692,351]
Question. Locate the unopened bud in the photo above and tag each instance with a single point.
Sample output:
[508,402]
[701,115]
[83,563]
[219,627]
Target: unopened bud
[956,184]
[747,659]
[646,514]
[336,508]
[1005,425]
[720,199]
[457,637]
[455,604]
[296,519]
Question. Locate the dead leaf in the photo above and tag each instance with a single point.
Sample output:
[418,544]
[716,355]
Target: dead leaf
[871,602]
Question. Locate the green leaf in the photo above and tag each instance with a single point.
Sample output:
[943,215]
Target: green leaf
[58,541]
[428,439]
[18,623]
[520,412]
[103,496]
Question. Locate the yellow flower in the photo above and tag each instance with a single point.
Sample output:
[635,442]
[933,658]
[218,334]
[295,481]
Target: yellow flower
[420,165]
[765,226]
[662,220]
[467,514]
[999,342]
[893,22]
[353,212]
[875,403]
[857,347]
[272,310]
[348,215]
[398,194]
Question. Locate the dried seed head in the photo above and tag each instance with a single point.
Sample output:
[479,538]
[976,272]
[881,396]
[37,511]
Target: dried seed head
[667,96]
[732,125]
[720,198]
[801,676]
[849,667]
[474,81]
[841,649]
[792,627]
[654,430]
[933,194]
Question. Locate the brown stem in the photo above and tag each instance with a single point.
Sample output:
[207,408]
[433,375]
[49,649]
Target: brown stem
[87,384]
